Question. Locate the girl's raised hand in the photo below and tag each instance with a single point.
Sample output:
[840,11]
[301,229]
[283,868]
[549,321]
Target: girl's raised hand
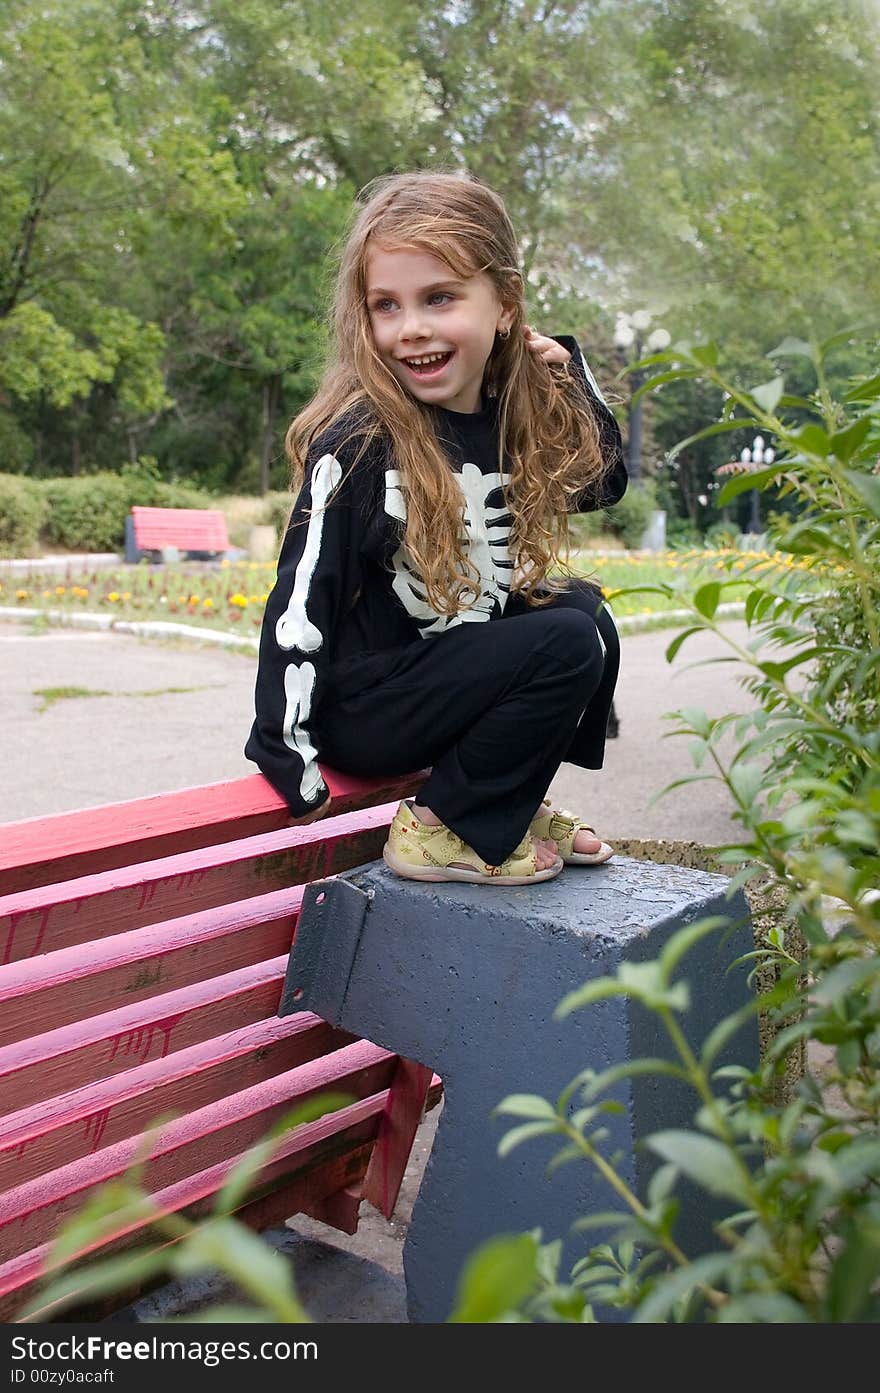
[548,349]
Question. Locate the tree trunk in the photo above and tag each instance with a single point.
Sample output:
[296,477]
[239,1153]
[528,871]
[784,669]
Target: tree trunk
[271,394]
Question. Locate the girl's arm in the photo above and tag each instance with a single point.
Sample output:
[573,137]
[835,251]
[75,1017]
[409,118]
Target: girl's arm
[318,577]
[611,487]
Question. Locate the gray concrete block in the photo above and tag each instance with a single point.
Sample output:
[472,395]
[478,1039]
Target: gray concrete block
[466,979]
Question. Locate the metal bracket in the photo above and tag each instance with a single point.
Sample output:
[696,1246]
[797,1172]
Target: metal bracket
[325,946]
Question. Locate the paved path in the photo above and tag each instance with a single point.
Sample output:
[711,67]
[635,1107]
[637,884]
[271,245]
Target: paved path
[175,715]
[165,716]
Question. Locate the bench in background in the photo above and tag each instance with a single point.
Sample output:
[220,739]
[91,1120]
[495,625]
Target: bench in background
[143,949]
[164,533]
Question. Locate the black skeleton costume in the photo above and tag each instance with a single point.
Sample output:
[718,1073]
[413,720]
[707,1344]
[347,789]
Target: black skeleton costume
[348,606]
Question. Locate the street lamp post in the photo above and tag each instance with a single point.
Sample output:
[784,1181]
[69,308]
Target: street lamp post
[755,458]
[751,458]
[630,342]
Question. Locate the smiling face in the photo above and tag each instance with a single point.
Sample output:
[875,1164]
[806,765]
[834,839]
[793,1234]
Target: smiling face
[433,329]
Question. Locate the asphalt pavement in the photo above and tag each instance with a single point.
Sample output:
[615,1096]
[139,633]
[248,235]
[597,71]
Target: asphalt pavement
[100,717]
[91,718]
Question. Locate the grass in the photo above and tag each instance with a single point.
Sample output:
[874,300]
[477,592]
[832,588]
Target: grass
[52,694]
[231,597]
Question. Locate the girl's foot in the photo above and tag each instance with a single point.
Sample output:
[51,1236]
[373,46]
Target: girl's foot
[576,842]
[419,851]
[545,851]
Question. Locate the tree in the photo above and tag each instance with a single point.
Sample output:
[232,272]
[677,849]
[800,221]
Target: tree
[88,165]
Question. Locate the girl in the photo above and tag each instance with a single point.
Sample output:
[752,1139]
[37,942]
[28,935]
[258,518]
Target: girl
[415,621]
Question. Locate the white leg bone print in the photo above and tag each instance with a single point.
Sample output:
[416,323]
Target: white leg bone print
[294,629]
[299,684]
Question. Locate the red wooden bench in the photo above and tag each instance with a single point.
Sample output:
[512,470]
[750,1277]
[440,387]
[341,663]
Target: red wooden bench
[143,949]
[160,531]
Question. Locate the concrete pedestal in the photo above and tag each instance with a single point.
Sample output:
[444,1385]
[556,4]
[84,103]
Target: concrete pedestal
[466,979]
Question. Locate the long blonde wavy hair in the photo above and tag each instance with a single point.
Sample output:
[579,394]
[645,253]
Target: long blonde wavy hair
[548,438]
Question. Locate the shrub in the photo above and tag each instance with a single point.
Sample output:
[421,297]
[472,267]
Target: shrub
[584,527]
[721,534]
[796,1169]
[178,496]
[629,518]
[682,533]
[22,510]
[277,506]
[147,488]
[88,513]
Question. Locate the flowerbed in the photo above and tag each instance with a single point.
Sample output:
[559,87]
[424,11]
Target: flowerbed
[232,596]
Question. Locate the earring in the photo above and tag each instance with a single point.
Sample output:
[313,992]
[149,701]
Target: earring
[504,333]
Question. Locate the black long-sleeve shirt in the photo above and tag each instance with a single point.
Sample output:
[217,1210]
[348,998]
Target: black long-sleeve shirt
[347,597]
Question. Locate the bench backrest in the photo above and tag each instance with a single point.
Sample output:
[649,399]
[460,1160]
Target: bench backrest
[143,949]
[188,529]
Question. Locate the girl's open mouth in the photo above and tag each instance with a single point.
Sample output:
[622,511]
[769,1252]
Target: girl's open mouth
[427,365]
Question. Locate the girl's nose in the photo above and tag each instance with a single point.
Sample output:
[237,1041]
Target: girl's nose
[413,326]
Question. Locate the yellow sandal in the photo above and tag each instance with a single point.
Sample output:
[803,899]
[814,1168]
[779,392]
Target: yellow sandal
[555,824]
[418,852]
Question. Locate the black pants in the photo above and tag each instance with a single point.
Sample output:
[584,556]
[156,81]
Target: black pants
[494,708]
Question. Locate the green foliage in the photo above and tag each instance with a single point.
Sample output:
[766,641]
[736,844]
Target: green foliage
[681,532]
[721,534]
[22,510]
[276,510]
[584,527]
[164,230]
[629,518]
[16,450]
[172,495]
[797,1170]
[175,1247]
[88,513]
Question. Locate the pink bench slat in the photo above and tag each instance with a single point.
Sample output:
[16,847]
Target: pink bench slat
[82,1052]
[156,959]
[296,1152]
[45,1136]
[90,978]
[78,911]
[400,1121]
[31,1213]
[190,529]
[39,851]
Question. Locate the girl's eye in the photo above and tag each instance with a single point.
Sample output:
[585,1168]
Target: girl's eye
[440,295]
[382,305]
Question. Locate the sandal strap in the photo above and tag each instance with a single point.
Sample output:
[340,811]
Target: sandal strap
[439,846]
[559,825]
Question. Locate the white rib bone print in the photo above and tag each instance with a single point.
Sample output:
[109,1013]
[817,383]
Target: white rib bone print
[488,533]
[294,629]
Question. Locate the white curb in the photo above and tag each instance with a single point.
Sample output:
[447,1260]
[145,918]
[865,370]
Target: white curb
[632,623]
[158,628]
[145,629]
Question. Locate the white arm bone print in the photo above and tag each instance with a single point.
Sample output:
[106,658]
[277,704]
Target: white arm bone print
[299,684]
[294,629]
